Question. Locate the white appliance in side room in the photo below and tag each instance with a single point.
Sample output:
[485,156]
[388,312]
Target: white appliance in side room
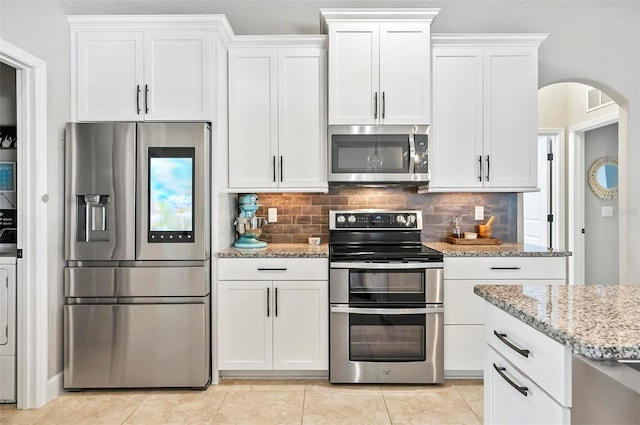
[7,328]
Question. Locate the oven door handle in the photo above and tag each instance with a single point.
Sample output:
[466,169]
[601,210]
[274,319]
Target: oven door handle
[385,266]
[395,311]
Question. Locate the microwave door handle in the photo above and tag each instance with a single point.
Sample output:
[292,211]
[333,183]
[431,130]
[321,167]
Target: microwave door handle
[412,154]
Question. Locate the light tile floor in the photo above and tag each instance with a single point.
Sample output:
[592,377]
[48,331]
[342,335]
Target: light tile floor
[265,402]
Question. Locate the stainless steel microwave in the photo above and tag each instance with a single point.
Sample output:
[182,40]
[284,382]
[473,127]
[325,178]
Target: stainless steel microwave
[379,154]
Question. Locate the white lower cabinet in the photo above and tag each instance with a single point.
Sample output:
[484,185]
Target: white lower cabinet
[275,324]
[527,375]
[464,311]
[511,398]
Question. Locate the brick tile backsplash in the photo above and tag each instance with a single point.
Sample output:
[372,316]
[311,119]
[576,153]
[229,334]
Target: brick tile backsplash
[301,215]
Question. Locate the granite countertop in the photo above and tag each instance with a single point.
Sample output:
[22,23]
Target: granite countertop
[278,250]
[504,250]
[597,321]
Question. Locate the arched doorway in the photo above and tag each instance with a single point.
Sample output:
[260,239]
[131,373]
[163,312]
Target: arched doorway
[568,113]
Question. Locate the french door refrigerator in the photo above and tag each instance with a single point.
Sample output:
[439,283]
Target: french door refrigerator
[137,237]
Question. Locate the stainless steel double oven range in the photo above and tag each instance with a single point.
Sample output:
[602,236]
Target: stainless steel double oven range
[386,294]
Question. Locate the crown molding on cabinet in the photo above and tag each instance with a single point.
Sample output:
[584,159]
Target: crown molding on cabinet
[216,23]
[533,39]
[280,41]
[328,16]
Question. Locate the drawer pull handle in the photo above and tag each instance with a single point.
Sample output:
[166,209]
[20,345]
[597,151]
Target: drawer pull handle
[268,302]
[506,268]
[272,269]
[521,390]
[503,338]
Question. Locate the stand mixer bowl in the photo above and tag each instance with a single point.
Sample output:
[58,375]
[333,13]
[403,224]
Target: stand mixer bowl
[249,229]
[249,226]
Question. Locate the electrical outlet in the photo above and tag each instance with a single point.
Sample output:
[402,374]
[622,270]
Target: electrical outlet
[273,215]
[479,213]
[607,211]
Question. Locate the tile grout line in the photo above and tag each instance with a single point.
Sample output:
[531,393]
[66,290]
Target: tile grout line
[134,410]
[384,400]
[481,420]
[226,394]
[304,399]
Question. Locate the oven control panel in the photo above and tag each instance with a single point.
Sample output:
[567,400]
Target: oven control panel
[359,219]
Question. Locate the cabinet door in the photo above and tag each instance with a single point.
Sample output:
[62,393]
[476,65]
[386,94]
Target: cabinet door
[109,76]
[300,325]
[354,73]
[510,105]
[244,325]
[456,134]
[302,121]
[253,107]
[177,76]
[463,350]
[405,73]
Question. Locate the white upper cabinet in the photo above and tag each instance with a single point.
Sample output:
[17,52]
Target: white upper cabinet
[277,114]
[137,68]
[177,75]
[379,65]
[109,76]
[484,128]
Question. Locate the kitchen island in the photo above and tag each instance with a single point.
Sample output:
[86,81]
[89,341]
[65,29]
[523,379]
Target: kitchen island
[542,339]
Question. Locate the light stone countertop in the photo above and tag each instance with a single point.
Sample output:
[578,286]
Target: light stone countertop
[277,250]
[504,250]
[597,321]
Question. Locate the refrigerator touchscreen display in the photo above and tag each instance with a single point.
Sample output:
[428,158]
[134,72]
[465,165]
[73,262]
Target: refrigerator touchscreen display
[171,181]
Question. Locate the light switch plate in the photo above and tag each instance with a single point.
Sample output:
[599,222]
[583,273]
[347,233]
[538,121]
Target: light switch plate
[607,211]
[272,215]
[479,214]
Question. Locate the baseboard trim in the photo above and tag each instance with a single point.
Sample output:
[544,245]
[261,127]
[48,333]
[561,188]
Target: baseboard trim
[54,387]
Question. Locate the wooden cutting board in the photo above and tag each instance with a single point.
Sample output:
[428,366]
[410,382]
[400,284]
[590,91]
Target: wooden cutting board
[479,241]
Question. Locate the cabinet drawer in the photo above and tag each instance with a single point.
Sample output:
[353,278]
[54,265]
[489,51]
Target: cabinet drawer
[273,269]
[504,404]
[500,268]
[547,362]
[463,307]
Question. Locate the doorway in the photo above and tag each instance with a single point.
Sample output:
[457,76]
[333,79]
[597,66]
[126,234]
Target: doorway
[32,240]
[601,210]
[572,110]
[543,219]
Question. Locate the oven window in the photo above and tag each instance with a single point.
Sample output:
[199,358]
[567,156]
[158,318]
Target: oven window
[370,153]
[386,286]
[387,337]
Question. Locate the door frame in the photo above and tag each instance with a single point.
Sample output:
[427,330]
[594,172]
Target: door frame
[31,270]
[576,193]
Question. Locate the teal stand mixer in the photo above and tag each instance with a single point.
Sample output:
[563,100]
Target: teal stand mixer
[247,225]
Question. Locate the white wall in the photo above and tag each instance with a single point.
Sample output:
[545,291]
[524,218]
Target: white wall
[596,42]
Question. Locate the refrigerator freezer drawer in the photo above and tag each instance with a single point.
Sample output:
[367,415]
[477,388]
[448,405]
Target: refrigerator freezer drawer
[128,346]
[136,281]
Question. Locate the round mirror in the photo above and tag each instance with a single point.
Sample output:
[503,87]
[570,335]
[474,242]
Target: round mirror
[603,177]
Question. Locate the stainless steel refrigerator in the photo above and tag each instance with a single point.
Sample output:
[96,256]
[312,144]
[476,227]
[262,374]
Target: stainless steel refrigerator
[137,238]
